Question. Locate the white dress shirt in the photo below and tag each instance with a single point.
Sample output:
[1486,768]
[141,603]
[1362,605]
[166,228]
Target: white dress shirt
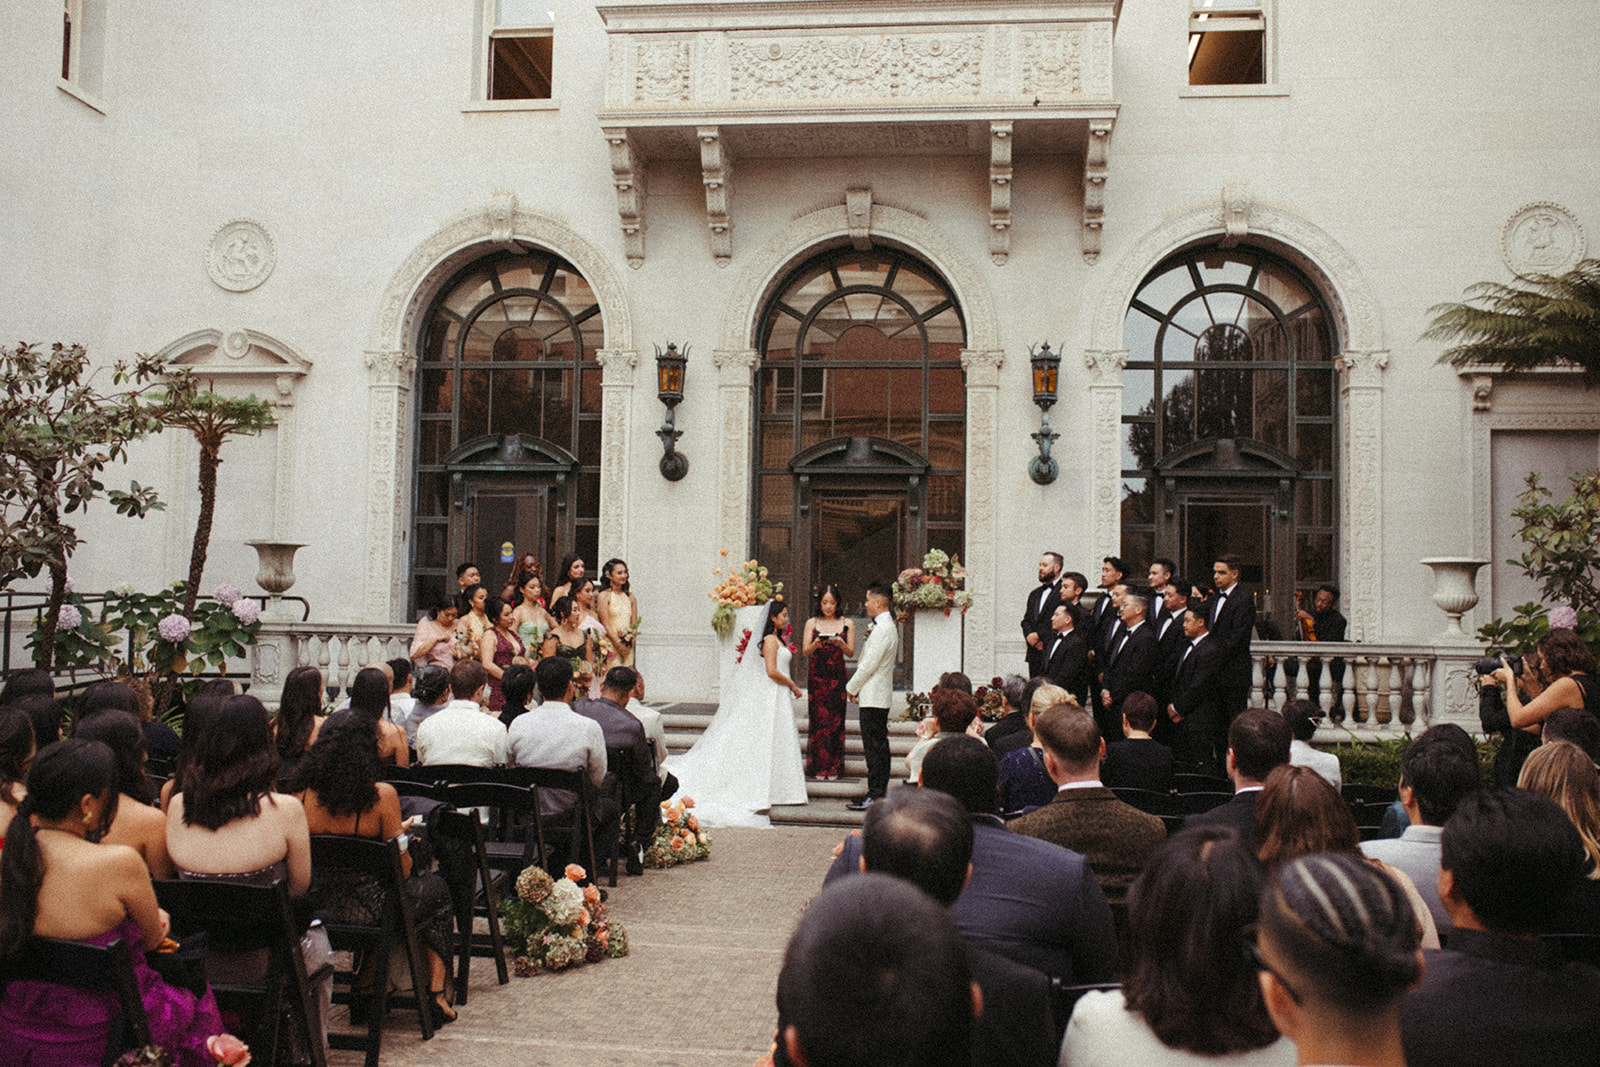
[553,735]
[461,733]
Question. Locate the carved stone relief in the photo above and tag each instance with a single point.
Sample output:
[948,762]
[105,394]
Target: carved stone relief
[983,448]
[1542,238]
[502,210]
[855,66]
[241,255]
[1235,213]
[1000,192]
[1052,62]
[1362,392]
[858,209]
[736,393]
[627,174]
[911,138]
[616,367]
[661,72]
[1105,368]
[389,375]
[1094,187]
[716,168]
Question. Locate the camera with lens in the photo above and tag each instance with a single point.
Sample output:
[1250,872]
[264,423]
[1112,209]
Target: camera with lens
[1486,665]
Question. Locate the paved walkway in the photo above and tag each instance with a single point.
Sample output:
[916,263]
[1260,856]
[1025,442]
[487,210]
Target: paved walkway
[706,942]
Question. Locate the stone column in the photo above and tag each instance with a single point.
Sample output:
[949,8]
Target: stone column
[1105,366]
[616,421]
[983,474]
[1361,533]
[736,391]
[390,374]
[283,475]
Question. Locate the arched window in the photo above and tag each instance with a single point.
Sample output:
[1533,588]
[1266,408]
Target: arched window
[1229,421]
[508,420]
[861,420]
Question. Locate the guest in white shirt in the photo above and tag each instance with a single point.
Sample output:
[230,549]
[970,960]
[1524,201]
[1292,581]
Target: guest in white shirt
[400,699]
[460,733]
[1302,717]
[430,693]
[650,719]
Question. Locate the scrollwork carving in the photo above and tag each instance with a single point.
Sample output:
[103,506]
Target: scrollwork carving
[855,66]
[661,72]
[1052,62]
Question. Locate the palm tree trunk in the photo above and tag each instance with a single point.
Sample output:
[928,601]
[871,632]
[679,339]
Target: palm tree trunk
[210,459]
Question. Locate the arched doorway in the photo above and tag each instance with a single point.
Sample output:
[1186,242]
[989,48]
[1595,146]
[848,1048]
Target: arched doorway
[508,420]
[1230,421]
[860,434]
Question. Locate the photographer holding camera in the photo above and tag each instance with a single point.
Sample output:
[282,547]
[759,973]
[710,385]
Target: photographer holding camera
[1562,663]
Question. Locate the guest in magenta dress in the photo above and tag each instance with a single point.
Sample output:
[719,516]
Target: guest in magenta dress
[828,641]
[94,894]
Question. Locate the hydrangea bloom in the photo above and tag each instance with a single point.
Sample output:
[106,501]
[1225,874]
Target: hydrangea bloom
[69,619]
[125,589]
[245,610]
[563,904]
[174,628]
[1563,618]
[534,884]
[70,587]
[227,594]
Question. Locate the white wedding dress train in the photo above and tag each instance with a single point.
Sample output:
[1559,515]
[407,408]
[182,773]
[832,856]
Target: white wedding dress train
[749,757]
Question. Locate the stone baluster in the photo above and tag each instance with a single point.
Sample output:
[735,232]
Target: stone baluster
[1256,680]
[1421,694]
[1397,669]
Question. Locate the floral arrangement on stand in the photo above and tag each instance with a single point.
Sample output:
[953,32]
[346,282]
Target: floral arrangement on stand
[940,584]
[557,924]
[745,585]
[679,838]
[146,637]
[989,698]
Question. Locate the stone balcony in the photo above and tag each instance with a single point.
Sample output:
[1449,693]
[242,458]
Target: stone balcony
[762,79]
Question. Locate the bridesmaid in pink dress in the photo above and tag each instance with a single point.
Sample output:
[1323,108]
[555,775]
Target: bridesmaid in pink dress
[500,648]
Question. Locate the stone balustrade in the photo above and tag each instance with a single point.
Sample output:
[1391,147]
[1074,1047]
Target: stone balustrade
[337,649]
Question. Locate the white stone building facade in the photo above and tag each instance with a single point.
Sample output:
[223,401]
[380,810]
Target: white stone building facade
[859,217]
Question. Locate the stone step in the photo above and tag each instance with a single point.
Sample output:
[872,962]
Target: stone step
[821,811]
[679,741]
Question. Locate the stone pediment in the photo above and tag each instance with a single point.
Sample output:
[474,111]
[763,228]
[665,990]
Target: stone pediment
[238,360]
[1235,457]
[758,79]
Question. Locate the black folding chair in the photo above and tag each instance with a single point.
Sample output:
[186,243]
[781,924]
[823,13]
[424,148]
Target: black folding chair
[579,837]
[516,808]
[95,968]
[248,918]
[379,860]
[1200,783]
[1165,806]
[620,764]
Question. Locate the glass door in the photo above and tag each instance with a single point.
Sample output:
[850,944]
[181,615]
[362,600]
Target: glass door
[502,520]
[855,539]
[1243,523]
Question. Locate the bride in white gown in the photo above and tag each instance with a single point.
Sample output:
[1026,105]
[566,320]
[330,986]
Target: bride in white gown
[749,757]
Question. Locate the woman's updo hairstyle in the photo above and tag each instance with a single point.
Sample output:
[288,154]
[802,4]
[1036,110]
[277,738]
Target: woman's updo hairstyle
[431,684]
[1345,929]
[562,609]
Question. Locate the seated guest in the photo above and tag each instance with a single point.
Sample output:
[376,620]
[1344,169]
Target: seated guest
[30,682]
[1258,741]
[1138,761]
[1188,996]
[201,711]
[225,822]
[369,700]
[1395,820]
[954,711]
[623,731]
[1299,813]
[16,755]
[1012,740]
[45,713]
[299,717]
[1024,783]
[1302,717]
[1336,951]
[160,740]
[517,686]
[429,693]
[925,837]
[57,884]
[1032,902]
[1567,776]
[875,975]
[1434,779]
[400,699]
[553,735]
[138,824]
[650,719]
[1577,726]
[1498,994]
[461,733]
[1085,816]
[339,787]
[1014,717]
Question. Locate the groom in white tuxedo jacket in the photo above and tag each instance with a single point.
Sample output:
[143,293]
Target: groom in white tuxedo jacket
[872,686]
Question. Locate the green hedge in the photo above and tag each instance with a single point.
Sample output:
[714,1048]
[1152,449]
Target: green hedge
[1378,762]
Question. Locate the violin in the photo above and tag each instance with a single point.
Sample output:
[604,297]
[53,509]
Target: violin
[1305,627]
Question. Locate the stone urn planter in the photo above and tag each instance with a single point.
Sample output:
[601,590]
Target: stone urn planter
[1455,592]
[276,574]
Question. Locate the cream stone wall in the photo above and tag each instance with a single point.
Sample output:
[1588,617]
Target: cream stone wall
[1386,160]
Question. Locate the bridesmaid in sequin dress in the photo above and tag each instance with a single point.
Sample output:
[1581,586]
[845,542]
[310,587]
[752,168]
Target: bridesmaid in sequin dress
[828,641]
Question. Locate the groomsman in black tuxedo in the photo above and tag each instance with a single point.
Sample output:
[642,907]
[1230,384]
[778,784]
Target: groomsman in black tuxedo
[1067,656]
[1041,605]
[1232,624]
[1161,571]
[1129,665]
[1104,616]
[1195,704]
[1170,642]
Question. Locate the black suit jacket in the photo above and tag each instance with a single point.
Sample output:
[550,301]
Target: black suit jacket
[1036,620]
[1016,1027]
[1169,647]
[1132,668]
[622,730]
[1195,684]
[1232,629]
[1239,813]
[1068,664]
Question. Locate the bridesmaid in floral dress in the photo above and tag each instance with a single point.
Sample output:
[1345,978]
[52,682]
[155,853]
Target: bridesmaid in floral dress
[828,641]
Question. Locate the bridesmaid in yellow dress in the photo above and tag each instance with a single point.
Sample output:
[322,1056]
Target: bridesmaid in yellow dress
[619,612]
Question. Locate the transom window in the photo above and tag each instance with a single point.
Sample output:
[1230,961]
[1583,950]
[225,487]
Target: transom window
[1228,42]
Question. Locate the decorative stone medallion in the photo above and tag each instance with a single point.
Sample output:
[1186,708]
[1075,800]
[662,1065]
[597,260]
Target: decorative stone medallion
[235,344]
[241,255]
[1542,238]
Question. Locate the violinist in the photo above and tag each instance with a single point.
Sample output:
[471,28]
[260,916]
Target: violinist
[1323,623]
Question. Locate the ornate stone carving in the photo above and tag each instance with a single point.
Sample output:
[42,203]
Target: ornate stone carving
[983,448]
[235,343]
[715,170]
[1542,238]
[735,377]
[241,255]
[1361,373]
[616,435]
[1235,213]
[1105,367]
[1094,187]
[389,374]
[391,369]
[616,366]
[855,66]
[1000,192]
[502,209]
[1482,392]
[858,209]
[627,174]
[1052,62]
[908,138]
[797,239]
[661,72]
